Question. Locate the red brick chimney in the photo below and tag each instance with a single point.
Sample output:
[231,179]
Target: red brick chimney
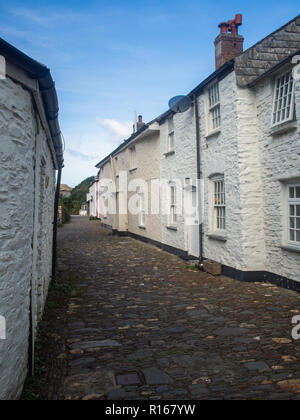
[229,43]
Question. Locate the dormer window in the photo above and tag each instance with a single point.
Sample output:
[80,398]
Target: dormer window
[283,108]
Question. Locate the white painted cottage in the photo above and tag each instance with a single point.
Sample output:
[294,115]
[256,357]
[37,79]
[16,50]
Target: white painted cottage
[92,199]
[30,154]
[240,139]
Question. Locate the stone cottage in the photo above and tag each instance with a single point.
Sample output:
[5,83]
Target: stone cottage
[240,138]
[30,154]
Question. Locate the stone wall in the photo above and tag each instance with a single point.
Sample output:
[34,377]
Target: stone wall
[220,155]
[27,180]
[280,163]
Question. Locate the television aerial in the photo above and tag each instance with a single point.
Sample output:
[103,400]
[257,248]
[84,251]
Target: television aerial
[180,103]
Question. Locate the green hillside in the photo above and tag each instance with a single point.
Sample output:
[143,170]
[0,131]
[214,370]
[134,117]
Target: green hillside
[73,203]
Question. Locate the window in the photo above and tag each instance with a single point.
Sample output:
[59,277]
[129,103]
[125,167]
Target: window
[173,206]
[117,166]
[105,209]
[132,152]
[294,214]
[142,210]
[171,135]
[283,108]
[214,107]
[219,205]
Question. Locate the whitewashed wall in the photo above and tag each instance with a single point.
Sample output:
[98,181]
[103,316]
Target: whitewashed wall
[220,155]
[92,197]
[106,216]
[179,166]
[148,169]
[280,162]
[25,255]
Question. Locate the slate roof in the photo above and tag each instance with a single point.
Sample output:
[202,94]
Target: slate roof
[268,53]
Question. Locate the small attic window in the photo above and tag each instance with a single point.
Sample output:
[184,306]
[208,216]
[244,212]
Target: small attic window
[284,104]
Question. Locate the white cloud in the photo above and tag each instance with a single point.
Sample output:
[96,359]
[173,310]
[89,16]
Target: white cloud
[46,16]
[33,16]
[87,144]
[82,156]
[116,130]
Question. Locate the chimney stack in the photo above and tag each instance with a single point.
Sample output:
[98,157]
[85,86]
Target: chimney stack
[229,44]
[140,123]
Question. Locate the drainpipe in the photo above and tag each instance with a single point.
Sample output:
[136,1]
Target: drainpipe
[199,173]
[56,203]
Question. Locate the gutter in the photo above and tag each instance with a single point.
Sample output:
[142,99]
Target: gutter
[46,85]
[46,100]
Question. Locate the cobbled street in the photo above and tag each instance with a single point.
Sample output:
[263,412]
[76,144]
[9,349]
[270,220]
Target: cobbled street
[146,326]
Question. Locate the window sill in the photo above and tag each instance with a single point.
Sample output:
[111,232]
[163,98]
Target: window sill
[174,228]
[290,248]
[283,128]
[132,170]
[142,227]
[171,153]
[217,237]
[213,133]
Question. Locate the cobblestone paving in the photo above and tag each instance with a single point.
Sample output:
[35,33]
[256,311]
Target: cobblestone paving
[146,327]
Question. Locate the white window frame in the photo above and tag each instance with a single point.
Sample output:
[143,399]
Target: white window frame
[292,202]
[276,99]
[171,136]
[214,107]
[219,205]
[132,153]
[173,205]
[142,210]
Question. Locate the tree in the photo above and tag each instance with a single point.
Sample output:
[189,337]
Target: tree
[73,203]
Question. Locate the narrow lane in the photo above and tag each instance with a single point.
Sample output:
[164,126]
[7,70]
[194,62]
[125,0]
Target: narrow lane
[145,326]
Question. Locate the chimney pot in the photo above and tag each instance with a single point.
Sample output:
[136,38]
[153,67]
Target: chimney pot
[224,27]
[229,44]
[238,19]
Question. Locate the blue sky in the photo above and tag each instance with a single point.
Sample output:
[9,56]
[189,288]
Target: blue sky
[110,58]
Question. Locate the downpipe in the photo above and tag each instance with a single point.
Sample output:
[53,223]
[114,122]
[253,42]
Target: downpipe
[56,203]
[199,173]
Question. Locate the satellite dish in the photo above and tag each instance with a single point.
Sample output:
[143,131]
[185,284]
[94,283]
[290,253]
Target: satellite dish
[180,103]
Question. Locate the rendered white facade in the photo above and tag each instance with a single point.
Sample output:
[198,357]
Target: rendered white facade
[92,199]
[27,189]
